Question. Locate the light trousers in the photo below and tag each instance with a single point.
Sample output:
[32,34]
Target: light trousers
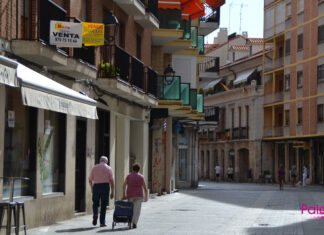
[137,204]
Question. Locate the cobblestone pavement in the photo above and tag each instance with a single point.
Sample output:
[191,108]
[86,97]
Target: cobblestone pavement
[215,208]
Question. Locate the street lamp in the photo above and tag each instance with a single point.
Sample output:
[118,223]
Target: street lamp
[111,27]
[169,75]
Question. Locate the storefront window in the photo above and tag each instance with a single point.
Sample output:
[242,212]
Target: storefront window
[19,145]
[52,159]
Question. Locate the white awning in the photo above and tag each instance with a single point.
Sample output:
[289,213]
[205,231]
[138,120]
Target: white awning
[242,77]
[42,92]
[212,83]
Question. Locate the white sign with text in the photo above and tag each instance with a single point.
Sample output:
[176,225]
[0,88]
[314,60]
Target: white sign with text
[65,34]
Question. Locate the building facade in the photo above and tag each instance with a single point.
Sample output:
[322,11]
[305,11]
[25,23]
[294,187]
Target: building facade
[293,100]
[51,133]
[234,95]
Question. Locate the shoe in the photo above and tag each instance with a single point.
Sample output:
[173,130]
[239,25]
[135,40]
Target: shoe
[103,225]
[95,218]
[134,226]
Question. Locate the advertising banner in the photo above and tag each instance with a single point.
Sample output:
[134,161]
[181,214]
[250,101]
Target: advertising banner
[65,34]
[93,34]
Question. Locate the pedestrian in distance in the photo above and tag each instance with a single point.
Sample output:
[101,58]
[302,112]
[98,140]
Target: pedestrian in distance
[293,175]
[230,173]
[305,173]
[133,188]
[281,176]
[217,171]
[101,181]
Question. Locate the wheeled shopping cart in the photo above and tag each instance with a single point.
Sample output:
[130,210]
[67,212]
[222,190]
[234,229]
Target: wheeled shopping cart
[123,213]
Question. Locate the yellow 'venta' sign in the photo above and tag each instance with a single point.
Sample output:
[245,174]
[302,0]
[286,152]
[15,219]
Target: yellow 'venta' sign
[93,34]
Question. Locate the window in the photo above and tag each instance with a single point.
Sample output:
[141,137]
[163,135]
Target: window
[287,82]
[233,56]
[299,79]
[321,34]
[247,115]
[300,5]
[300,42]
[20,145]
[287,47]
[250,50]
[53,168]
[288,10]
[320,108]
[287,117]
[121,35]
[300,116]
[320,73]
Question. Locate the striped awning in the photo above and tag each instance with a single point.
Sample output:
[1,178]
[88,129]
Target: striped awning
[215,3]
[170,4]
[192,9]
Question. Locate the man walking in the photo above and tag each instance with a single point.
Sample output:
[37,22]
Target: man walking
[217,171]
[101,181]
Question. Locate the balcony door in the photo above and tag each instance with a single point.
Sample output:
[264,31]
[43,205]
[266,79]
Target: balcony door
[80,165]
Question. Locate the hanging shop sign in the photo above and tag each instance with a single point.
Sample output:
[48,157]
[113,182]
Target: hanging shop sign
[65,34]
[93,34]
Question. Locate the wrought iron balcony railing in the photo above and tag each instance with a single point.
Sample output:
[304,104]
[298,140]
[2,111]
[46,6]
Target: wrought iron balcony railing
[211,65]
[117,63]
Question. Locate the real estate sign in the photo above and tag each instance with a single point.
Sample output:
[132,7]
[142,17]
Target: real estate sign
[93,34]
[65,34]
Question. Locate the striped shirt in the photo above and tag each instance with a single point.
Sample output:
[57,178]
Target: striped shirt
[101,173]
[135,183]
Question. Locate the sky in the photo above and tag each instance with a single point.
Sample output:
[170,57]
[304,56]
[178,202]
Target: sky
[252,18]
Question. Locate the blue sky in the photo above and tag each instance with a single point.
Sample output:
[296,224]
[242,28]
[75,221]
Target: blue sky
[252,18]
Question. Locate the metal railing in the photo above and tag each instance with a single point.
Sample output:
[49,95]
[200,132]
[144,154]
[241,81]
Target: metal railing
[213,17]
[151,81]
[239,133]
[211,65]
[115,62]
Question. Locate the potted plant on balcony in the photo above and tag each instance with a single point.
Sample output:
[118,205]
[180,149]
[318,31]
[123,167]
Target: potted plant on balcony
[108,70]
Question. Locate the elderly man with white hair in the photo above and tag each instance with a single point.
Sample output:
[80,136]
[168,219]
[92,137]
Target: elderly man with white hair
[101,181]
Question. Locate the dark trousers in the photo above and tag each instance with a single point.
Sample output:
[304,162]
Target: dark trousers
[100,194]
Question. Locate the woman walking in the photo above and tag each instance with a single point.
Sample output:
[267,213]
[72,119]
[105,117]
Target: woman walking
[135,185]
[304,176]
[281,175]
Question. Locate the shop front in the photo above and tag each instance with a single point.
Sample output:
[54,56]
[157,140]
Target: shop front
[38,129]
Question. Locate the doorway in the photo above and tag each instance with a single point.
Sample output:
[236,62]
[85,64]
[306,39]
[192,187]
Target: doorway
[80,165]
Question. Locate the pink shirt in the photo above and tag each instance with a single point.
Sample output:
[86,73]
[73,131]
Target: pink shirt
[101,173]
[134,185]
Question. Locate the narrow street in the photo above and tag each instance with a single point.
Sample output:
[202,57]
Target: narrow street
[215,208]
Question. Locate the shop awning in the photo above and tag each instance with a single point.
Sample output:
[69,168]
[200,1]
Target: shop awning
[242,77]
[44,93]
[192,9]
[215,3]
[212,83]
[170,4]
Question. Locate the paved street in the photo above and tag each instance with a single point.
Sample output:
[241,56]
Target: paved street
[215,208]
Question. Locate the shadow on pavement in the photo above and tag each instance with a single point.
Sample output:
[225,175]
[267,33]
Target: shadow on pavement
[247,194]
[311,226]
[75,230]
[115,230]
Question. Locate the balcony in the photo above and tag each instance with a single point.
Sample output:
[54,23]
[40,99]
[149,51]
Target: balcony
[273,132]
[273,64]
[210,68]
[150,19]
[274,98]
[239,133]
[132,7]
[209,23]
[39,51]
[171,27]
[268,2]
[124,75]
[169,88]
